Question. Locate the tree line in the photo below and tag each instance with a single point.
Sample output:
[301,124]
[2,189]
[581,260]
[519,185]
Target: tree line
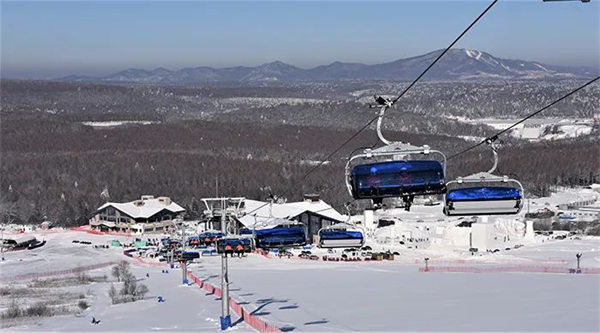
[54,168]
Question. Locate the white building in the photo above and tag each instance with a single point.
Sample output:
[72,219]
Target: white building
[312,212]
[148,214]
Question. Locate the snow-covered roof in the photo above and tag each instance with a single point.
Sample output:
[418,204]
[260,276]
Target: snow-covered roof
[146,207]
[262,212]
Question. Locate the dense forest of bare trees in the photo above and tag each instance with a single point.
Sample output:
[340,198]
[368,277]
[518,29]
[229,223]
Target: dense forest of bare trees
[56,168]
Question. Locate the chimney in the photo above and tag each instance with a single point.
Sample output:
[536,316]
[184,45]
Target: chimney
[165,201]
[312,197]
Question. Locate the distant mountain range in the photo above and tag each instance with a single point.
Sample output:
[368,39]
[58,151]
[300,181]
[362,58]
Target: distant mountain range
[457,64]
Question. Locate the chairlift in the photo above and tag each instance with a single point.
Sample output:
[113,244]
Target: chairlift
[341,235]
[396,169]
[287,234]
[234,244]
[484,193]
[209,237]
[189,255]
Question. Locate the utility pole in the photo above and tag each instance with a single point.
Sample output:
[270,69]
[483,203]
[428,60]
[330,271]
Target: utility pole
[225,317]
[2,248]
[216,186]
[183,261]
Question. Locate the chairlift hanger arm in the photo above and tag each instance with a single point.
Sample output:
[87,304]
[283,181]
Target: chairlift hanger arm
[380,122]
[494,147]
[386,103]
[404,91]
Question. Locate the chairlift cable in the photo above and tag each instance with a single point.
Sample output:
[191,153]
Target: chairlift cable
[403,92]
[445,51]
[495,136]
[340,147]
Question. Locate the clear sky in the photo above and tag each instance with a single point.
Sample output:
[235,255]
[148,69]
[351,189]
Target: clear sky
[53,38]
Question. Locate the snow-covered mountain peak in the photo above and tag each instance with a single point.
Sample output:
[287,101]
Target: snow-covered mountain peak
[473,54]
[457,64]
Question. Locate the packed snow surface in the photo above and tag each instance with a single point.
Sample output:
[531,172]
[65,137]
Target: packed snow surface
[304,295]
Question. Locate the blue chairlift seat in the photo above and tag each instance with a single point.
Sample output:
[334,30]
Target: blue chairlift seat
[483,200]
[341,234]
[190,255]
[334,238]
[211,252]
[210,234]
[397,179]
[245,242]
[483,193]
[278,236]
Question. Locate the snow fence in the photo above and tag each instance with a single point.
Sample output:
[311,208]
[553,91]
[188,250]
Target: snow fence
[253,321]
[147,263]
[509,269]
[403,260]
[79,269]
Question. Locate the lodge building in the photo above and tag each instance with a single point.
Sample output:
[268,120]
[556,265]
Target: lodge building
[146,215]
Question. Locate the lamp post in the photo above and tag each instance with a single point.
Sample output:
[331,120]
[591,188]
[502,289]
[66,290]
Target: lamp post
[2,248]
[225,317]
[183,261]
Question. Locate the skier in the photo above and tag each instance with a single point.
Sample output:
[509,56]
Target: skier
[94,321]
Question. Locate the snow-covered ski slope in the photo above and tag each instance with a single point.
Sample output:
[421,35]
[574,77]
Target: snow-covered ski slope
[186,308]
[303,295]
[383,296]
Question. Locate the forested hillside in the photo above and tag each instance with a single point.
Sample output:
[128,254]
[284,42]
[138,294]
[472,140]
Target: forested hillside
[56,168]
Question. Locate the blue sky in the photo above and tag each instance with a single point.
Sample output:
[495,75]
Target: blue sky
[52,38]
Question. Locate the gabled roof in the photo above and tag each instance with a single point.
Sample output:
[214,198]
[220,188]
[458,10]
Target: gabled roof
[276,212]
[149,207]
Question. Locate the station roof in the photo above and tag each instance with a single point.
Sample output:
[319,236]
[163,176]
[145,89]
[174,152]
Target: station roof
[146,207]
[263,212]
